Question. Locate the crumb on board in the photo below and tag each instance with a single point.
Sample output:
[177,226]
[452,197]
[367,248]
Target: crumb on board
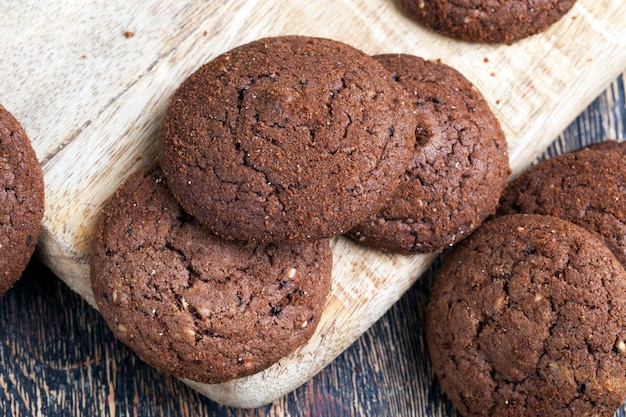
[129,34]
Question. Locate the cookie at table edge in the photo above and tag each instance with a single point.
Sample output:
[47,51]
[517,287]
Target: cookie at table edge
[583,187]
[458,169]
[607,145]
[286,138]
[21,199]
[195,306]
[510,21]
[526,315]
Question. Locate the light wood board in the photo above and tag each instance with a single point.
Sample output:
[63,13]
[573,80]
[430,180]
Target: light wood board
[89,80]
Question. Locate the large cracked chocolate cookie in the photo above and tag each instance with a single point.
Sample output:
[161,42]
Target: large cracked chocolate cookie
[286,138]
[526,318]
[193,305]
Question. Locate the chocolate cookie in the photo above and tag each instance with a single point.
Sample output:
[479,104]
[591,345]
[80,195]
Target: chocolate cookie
[585,188]
[21,200]
[286,138]
[193,305]
[609,145]
[457,172]
[488,21]
[526,318]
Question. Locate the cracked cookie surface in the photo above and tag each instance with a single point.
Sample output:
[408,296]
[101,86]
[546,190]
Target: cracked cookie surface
[527,318]
[488,21]
[21,199]
[458,169]
[286,138]
[196,306]
[586,188]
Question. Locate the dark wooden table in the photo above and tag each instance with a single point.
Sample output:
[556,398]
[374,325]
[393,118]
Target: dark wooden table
[58,358]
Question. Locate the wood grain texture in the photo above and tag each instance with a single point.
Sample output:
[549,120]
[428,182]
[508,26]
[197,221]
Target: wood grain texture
[58,358]
[89,81]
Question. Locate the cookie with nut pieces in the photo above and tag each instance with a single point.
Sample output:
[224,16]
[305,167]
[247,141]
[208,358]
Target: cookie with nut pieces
[458,170]
[526,317]
[488,21]
[583,187]
[196,306]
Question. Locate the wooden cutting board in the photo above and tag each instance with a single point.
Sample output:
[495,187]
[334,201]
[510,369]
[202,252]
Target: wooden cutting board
[90,80]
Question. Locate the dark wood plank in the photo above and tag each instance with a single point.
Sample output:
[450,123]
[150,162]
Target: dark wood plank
[58,358]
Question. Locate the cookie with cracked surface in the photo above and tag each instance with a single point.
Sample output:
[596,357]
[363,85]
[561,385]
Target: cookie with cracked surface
[457,172]
[196,306]
[526,317]
[286,138]
[21,199]
[488,21]
[585,188]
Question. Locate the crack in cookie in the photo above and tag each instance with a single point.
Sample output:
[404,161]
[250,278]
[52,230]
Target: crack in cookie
[524,313]
[191,304]
[312,137]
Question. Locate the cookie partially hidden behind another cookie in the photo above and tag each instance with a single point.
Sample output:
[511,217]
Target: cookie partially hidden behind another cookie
[193,305]
[21,200]
[586,188]
[458,169]
[526,317]
[286,138]
[488,21]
